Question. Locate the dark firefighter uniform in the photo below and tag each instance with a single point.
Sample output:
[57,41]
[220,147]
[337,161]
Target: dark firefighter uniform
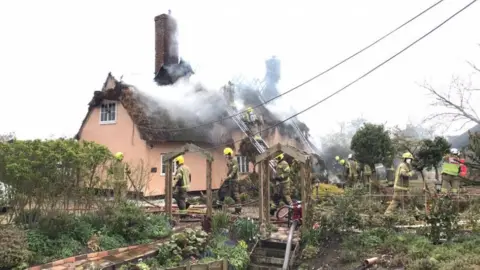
[181,184]
[283,176]
[230,185]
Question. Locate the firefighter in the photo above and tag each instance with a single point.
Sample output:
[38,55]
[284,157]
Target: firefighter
[450,172]
[344,171]
[230,184]
[352,175]
[252,122]
[367,174]
[119,170]
[283,191]
[181,183]
[401,185]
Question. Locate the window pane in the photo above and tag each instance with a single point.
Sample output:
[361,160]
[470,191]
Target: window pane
[164,167]
[108,112]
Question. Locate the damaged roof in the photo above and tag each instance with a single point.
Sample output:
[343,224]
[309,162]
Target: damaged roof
[152,121]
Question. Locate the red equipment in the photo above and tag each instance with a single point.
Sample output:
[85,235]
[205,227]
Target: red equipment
[291,212]
[463,168]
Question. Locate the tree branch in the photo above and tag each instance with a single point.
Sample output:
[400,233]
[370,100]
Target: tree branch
[457,111]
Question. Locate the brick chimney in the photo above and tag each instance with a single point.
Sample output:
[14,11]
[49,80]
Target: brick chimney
[166,44]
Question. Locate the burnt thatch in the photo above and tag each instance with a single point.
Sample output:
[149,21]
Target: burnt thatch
[154,122]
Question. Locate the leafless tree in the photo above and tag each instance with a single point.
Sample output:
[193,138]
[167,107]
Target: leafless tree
[456,102]
[7,137]
[409,138]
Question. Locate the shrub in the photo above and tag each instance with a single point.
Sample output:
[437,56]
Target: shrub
[236,253]
[58,235]
[220,221]
[182,245]
[131,222]
[14,247]
[245,229]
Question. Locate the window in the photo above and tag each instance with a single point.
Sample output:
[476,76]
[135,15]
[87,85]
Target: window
[108,112]
[164,166]
[242,164]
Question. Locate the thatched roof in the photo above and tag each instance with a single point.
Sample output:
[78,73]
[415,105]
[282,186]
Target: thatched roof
[152,120]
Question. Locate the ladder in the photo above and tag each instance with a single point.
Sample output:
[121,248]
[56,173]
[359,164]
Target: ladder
[261,87]
[259,144]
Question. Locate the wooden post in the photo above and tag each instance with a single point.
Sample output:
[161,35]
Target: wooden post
[303,188]
[168,189]
[267,175]
[209,189]
[307,209]
[261,178]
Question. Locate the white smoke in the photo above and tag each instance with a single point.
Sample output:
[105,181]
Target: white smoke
[194,101]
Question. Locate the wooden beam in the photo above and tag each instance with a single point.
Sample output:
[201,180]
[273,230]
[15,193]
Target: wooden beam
[209,188]
[168,189]
[295,153]
[307,202]
[189,147]
[271,152]
[260,210]
[266,182]
[302,188]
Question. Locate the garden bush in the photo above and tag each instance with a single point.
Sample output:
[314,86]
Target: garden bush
[14,248]
[60,235]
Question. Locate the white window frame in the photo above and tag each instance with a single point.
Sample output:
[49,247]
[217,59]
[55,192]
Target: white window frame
[106,103]
[161,166]
[243,166]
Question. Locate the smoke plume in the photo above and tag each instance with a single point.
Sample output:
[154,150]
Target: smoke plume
[272,77]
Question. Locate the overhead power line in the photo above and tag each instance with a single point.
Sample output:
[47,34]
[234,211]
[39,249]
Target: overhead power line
[361,77]
[307,81]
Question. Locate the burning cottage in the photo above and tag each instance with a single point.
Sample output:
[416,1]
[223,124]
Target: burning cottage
[124,119]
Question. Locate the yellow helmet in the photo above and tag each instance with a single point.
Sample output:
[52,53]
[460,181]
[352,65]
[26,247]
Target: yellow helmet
[342,162]
[337,158]
[280,156]
[249,109]
[228,151]
[180,160]
[119,156]
[407,155]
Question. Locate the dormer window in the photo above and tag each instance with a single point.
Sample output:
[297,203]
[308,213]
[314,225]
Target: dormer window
[108,112]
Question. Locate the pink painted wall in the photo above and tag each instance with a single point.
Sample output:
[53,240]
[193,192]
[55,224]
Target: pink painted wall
[123,136]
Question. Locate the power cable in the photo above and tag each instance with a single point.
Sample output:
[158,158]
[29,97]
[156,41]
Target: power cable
[359,78]
[307,81]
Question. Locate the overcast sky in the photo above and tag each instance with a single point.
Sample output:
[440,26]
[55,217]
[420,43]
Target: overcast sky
[54,54]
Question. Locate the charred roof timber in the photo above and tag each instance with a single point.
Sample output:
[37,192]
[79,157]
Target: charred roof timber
[169,67]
